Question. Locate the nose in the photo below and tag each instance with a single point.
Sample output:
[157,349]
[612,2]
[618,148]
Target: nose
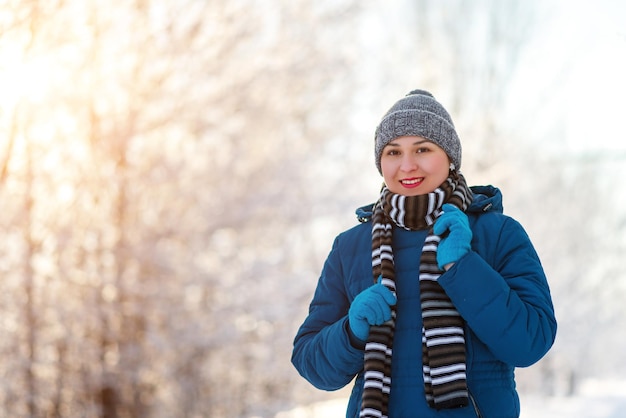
[408,163]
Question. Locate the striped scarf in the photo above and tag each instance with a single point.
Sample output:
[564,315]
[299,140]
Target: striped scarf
[443,341]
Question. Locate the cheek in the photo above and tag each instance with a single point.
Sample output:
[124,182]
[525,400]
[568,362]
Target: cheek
[388,176]
[386,167]
[432,165]
[441,164]
[439,169]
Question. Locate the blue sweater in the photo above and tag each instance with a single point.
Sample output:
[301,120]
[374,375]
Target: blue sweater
[499,288]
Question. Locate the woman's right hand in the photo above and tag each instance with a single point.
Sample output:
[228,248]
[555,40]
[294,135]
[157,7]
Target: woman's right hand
[370,307]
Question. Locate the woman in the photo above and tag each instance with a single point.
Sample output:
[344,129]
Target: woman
[436,296]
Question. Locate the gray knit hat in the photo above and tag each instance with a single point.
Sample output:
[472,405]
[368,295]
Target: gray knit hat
[418,114]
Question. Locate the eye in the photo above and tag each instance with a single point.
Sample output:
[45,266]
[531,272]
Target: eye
[392,151]
[422,149]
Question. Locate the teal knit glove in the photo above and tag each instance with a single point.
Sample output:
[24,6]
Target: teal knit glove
[370,307]
[458,242]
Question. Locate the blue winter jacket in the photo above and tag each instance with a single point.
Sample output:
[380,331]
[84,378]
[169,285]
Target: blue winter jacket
[499,288]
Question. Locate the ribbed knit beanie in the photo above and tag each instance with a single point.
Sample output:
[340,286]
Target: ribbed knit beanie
[418,114]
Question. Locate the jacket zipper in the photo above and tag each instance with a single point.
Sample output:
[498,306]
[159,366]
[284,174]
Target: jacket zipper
[475,405]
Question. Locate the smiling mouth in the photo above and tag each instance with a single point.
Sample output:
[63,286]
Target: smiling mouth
[413,182]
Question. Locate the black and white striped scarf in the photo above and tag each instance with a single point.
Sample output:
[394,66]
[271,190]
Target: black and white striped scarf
[443,340]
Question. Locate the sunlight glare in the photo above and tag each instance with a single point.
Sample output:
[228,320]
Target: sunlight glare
[22,78]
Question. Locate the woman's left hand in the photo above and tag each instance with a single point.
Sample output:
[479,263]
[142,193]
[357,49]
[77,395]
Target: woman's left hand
[458,242]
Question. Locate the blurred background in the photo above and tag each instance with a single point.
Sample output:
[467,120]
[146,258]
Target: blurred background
[172,175]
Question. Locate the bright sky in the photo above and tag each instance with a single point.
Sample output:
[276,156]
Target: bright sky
[576,68]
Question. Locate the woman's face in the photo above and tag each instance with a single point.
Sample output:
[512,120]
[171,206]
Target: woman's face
[413,165]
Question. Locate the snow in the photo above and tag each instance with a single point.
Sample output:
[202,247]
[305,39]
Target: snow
[596,399]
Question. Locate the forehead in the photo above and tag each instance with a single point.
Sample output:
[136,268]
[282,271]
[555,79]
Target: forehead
[410,140]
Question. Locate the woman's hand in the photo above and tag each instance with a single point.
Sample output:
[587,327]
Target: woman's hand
[370,307]
[458,242]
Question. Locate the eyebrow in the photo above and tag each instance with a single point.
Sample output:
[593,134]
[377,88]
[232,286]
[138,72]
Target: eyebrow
[414,143]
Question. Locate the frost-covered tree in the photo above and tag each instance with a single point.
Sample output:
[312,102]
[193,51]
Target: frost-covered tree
[151,176]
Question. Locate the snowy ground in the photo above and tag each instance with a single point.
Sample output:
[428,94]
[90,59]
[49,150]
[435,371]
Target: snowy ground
[597,399]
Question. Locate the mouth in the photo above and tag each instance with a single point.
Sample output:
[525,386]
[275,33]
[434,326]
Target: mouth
[412,182]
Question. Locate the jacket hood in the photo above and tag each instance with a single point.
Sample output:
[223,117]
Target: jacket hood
[486,199]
